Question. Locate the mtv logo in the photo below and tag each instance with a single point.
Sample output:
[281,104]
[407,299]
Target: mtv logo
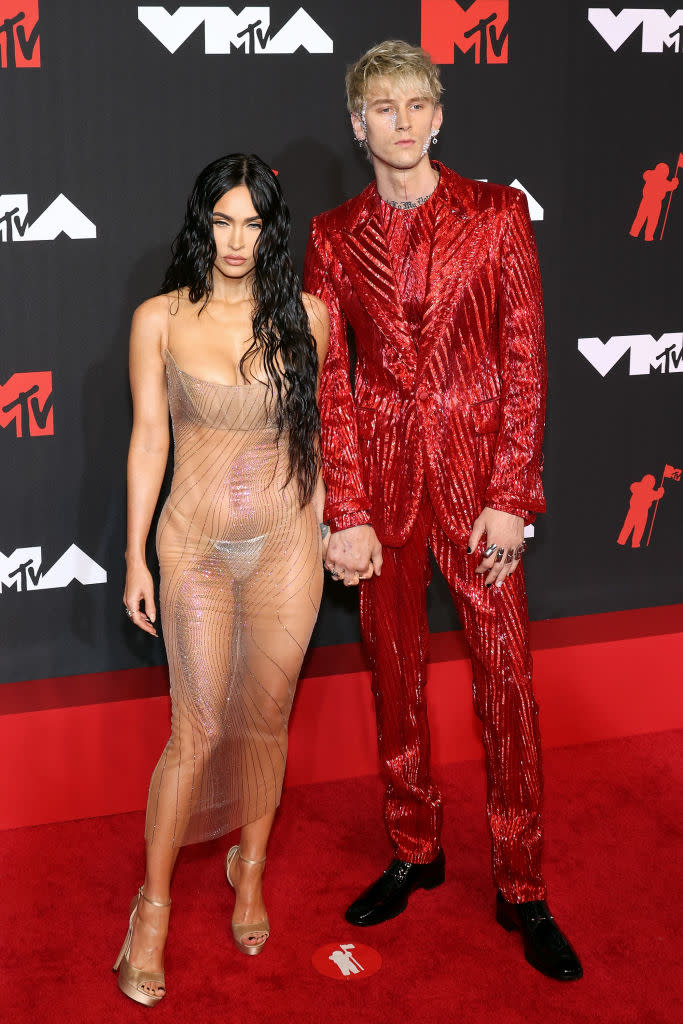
[22,570]
[661,31]
[482,27]
[61,215]
[26,400]
[225,31]
[19,34]
[647,355]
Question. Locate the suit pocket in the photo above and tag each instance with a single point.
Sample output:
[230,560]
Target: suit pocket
[486,416]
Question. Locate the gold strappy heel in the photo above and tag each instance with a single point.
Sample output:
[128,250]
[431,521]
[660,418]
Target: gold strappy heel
[240,931]
[132,979]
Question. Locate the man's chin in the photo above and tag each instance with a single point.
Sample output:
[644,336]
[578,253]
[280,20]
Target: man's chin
[403,160]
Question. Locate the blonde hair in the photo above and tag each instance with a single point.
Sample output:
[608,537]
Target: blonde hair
[393,59]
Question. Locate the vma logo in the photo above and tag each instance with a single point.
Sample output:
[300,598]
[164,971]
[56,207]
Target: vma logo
[225,31]
[23,570]
[482,27]
[660,31]
[61,215]
[26,400]
[19,34]
[647,355]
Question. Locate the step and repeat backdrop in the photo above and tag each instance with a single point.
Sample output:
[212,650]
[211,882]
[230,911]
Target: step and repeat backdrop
[110,110]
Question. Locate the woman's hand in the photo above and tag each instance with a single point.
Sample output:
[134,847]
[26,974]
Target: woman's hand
[140,587]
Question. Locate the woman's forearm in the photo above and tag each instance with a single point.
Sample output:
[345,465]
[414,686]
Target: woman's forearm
[146,468]
[318,499]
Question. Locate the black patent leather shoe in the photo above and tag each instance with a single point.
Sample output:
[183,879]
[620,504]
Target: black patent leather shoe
[545,947]
[388,896]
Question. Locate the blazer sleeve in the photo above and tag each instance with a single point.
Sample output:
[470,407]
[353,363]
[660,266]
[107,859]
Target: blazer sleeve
[515,484]
[347,503]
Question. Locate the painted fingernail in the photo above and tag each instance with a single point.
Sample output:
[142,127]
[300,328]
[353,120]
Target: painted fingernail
[499,583]
[469,551]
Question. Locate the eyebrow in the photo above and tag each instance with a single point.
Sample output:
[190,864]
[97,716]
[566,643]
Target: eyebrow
[226,216]
[389,99]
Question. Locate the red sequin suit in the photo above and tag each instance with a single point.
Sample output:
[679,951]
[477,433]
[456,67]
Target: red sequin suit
[446,417]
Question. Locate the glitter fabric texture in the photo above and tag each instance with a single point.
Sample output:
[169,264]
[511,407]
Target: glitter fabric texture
[241,582]
[447,417]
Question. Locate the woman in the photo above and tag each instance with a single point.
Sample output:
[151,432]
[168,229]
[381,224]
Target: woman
[233,347]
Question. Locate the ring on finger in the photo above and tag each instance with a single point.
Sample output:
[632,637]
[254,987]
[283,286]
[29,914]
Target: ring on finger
[128,612]
[499,556]
[489,551]
[509,557]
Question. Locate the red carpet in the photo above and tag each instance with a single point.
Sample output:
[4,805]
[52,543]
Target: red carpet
[613,823]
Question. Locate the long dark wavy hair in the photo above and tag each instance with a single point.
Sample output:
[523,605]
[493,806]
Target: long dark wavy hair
[280,324]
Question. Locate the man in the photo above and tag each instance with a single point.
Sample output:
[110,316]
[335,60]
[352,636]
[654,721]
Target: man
[438,446]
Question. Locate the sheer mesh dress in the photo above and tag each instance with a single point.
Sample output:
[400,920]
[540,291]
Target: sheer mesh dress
[241,582]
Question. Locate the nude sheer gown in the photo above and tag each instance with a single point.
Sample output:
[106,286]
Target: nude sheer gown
[241,582]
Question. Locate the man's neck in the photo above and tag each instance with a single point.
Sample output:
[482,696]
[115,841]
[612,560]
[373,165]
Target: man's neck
[399,186]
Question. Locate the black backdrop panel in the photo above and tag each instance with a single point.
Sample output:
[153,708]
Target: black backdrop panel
[119,126]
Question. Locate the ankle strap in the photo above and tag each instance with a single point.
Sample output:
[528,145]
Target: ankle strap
[246,861]
[154,903]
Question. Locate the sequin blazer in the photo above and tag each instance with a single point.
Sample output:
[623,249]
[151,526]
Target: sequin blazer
[458,409]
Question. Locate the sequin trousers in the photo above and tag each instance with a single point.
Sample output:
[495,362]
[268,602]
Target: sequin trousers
[241,583]
[495,623]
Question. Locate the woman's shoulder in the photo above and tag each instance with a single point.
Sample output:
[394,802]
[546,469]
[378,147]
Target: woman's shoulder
[315,307]
[152,313]
[155,311]
[319,321]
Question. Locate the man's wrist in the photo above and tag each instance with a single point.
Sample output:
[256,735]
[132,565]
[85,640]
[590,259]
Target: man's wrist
[348,519]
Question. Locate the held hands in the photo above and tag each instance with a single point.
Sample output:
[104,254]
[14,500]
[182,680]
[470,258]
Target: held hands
[353,555]
[140,587]
[505,544]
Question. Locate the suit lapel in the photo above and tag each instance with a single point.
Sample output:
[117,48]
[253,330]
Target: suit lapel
[368,265]
[456,224]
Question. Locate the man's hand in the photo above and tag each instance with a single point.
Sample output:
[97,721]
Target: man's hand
[505,544]
[354,554]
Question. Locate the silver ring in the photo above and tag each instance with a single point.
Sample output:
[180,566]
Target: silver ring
[128,612]
[489,551]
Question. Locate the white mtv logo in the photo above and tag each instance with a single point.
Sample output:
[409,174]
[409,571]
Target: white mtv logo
[660,30]
[23,570]
[647,353]
[224,30]
[536,211]
[61,215]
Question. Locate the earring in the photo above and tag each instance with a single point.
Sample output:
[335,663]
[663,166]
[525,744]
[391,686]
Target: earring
[433,138]
[361,142]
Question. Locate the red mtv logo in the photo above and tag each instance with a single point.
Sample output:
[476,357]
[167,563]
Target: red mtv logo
[26,398]
[482,27]
[19,34]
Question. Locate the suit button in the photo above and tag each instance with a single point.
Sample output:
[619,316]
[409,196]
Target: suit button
[422,394]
